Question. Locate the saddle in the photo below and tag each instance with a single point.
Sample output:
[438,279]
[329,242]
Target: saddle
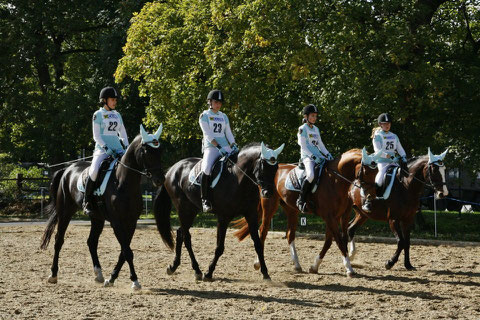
[296,177]
[388,181]
[104,174]
[194,177]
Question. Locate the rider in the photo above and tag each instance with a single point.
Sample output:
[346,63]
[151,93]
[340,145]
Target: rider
[312,151]
[218,141]
[386,145]
[110,140]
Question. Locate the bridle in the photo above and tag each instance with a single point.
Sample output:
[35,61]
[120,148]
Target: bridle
[146,171]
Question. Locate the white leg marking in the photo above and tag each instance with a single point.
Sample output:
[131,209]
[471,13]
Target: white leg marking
[348,266]
[136,285]
[293,254]
[352,251]
[445,190]
[315,265]
[107,283]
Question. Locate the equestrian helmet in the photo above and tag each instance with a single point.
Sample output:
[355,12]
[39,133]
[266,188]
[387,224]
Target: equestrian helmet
[311,108]
[108,92]
[215,95]
[384,117]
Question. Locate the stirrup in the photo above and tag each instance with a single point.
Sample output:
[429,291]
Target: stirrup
[367,206]
[301,205]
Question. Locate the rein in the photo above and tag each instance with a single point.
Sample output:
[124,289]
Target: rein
[243,172]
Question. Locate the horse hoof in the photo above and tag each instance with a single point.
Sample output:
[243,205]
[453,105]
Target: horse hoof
[312,270]
[107,284]
[136,285]
[207,278]
[410,268]
[256,265]
[351,274]
[98,275]
[52,279]
[170,271]
[298,269]
[266,277]
[198,276]
[388,265]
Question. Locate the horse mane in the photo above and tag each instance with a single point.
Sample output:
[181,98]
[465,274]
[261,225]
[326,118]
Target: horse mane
[416,160]
[248,147]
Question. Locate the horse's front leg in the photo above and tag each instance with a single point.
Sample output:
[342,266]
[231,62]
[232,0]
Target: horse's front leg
[292,222]
[267,208]
[326,245]
[92,242]
[221,232]
[253,227]
[124,238]
[406,227]
[395,227]
[178,252]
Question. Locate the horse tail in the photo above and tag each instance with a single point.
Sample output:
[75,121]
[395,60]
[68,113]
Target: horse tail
[52,209]
[243,230]
[162,207]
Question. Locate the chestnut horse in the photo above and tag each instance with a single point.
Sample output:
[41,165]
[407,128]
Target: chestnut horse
[330,200]
[400,208]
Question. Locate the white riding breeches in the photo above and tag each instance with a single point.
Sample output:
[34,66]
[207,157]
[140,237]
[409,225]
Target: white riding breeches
[309,169]
[209,156]
[98,157]
[382,168]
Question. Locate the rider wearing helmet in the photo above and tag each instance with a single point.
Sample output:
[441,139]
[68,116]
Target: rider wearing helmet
[386,145]
[312,151]
[110,139]
[218,141]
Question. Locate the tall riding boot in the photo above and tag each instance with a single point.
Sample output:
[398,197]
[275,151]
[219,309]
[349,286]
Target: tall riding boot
[88,197]
[304,191]
[369,200]
[206,203]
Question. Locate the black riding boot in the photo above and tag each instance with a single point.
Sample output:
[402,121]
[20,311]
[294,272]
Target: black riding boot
[304,191]
[88,197]
[206,203]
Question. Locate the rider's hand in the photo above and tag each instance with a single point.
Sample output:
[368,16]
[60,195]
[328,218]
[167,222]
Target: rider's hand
[222,151]
[329,157]
[234,148]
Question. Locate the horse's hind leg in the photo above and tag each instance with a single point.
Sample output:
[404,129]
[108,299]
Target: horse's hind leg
[178,252]
[65,212]
[95,231]
[341,242]
[221,232]
[406,234]
[187,238]
[253,227]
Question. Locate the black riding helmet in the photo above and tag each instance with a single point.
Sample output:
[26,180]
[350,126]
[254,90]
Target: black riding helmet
[215,95]
[108,92]
[311,108]
[384,117]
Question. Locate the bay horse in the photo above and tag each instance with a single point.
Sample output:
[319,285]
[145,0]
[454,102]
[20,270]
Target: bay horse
[122,203]
[400,208]
[330,201]
[236,193]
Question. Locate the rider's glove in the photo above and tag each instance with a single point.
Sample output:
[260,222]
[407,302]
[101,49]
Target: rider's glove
[329,157]
[234,148]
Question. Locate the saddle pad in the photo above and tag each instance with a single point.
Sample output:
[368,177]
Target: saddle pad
[296,177]
[196,171]
[101,189]
[388,189]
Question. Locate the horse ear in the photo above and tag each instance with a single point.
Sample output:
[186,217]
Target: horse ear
[159,132]
[430,156]
[264,151]
[443,155]
[278,150]
[143,133]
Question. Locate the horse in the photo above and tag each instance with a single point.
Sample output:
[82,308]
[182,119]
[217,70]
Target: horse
[122,204]
[330,202]
[400,208]
[236,193]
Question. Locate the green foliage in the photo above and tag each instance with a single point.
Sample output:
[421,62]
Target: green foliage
[9,190]
[354,59]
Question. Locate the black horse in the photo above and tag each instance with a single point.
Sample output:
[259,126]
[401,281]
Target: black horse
[235,194]
[122,203]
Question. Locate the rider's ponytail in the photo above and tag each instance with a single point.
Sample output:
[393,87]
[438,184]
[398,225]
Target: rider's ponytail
[375,130]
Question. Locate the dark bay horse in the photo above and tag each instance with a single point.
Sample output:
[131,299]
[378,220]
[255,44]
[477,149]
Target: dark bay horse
[122,198]
[330,199]
[237,193]
[400,208]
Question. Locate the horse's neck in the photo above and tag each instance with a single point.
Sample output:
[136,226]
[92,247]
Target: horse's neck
[243,173]
[126,175]
[417,181]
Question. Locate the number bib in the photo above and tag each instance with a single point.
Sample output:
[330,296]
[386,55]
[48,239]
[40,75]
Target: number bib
[110,124]
[389,143]
[217,125]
